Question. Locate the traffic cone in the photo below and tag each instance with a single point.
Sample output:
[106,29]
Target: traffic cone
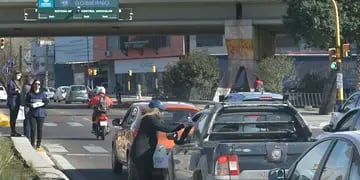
[4,120]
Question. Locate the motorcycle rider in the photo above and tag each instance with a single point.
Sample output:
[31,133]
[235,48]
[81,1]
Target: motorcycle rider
[95,102]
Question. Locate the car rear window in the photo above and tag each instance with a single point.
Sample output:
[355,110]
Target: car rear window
[2,89]
[253,125]
[78,88]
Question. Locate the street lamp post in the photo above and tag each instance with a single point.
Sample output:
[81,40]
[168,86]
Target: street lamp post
[339,76]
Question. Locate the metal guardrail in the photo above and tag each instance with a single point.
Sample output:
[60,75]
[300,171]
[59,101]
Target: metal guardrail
[305,99]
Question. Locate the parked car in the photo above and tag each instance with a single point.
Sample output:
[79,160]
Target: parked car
[126,130]
[335,157]
[3,94]
[255,97]
[239,141]
[77,93]
[352,102]
[60,93]
[49,92]
[350,121]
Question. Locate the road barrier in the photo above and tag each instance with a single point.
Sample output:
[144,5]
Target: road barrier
[305,99]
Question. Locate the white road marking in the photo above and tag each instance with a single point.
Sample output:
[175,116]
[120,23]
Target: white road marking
[63,164]
[86,119]
[95,149]
[323,124]
[55,148]
[50,124]
[75,124]
[105,155]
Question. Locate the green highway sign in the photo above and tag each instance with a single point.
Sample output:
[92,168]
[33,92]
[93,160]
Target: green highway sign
[67,10]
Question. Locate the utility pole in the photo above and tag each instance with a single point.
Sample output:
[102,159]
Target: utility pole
[20,58]
[47,66]
[88,61]
[339,75]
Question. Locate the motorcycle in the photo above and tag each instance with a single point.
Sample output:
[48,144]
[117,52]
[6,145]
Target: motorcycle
[102,126]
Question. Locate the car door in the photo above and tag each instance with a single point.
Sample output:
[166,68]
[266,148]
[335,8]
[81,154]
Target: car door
[189,153]
[309,163]
[348,122]
[121,142]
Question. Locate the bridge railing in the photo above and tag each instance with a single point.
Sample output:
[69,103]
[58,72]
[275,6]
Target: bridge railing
[305,99]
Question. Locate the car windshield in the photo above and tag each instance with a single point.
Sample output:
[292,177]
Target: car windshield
[174,116]
[253,125]
[78,88]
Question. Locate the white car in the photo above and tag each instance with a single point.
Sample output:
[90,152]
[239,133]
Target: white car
[49,92]
[60,93]
[3,94]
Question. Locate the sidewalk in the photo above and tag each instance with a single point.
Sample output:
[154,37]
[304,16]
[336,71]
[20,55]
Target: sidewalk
[39,160]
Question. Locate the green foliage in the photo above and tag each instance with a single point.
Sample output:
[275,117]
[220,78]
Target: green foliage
[272,70]
[195,70]
[12,166]
[312,83]
[314,21]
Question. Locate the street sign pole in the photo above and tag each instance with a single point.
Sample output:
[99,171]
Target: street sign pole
[339,79]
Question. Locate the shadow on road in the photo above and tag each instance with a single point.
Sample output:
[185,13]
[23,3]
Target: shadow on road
[95,174]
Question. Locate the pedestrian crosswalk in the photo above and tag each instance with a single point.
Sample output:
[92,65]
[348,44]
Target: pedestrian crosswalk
[54,124]
[83,150]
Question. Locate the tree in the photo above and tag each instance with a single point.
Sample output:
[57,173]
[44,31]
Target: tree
[196,70]
[314,22]
[272,70]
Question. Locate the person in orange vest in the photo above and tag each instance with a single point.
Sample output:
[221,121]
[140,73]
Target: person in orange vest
[258,85]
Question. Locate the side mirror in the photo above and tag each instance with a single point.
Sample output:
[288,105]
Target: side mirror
[346,109]
[221,98]
[327,128]
[276,174]
[117,122]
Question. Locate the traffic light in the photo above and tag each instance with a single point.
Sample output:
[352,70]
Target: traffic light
[153,69]
[2,43]
[332,57]
[346,50]
[90,71]
[94,72]
[130,72]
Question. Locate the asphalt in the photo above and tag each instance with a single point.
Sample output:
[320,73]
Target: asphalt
[46,168]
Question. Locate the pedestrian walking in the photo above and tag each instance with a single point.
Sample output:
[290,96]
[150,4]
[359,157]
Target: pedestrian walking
[118,89]
[138,96]
[13,100]
[24,91]
[144,145]
[36,100]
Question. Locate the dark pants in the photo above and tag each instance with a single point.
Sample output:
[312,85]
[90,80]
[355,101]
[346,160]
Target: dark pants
[13,116]
[27,126]
[144,165]
[118,96]
[36,124]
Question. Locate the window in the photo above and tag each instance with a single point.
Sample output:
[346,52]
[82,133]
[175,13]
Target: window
[351,102]
[346,122]
[355,166]
[78,88]
[132,116]
[2,89]
[338,163]
[209,40]
[308,165]
[158,41]
[112,42]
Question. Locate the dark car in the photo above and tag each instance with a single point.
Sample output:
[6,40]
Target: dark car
[352,102]
[239,141]
[334,157]
[126,130]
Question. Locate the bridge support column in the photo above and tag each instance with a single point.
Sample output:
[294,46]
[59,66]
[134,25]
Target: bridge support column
[241,47]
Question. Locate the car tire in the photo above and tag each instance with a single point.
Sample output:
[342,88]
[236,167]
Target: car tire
[117,167]
[197,175]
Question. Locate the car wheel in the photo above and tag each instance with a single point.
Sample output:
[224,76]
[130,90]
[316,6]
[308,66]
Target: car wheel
[130,167]
[67,102]
[197,175]
[117,167]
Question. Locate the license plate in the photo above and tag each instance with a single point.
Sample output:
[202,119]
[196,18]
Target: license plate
[103,123]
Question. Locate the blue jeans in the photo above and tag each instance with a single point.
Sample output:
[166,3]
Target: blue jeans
[27,125]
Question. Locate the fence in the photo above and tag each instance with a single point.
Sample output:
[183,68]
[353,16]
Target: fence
[305,99]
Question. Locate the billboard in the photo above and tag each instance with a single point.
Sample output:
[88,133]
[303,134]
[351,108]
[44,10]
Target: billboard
[75,49]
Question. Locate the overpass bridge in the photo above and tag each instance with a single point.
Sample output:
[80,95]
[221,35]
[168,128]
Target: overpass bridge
[150,17]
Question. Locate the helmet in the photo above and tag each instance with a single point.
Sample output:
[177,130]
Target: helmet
[100,90]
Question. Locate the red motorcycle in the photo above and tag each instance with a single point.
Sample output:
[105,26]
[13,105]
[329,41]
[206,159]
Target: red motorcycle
[102,126]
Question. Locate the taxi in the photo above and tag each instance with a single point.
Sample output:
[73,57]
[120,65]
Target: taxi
[126,129]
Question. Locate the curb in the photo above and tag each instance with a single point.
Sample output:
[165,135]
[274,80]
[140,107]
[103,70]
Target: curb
[40,161]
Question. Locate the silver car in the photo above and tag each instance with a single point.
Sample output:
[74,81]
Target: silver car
[60,93]
[77,93]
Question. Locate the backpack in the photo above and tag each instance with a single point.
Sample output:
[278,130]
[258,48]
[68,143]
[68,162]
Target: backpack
[103,105]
